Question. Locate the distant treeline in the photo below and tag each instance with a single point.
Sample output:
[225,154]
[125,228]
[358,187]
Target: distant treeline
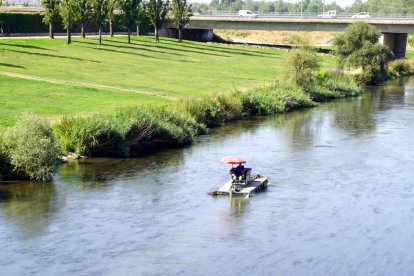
[18,23]
[400,7]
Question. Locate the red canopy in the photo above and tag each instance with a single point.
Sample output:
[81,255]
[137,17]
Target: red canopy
[232,160]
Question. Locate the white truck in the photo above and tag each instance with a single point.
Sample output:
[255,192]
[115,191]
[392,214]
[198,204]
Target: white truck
[247,13]
[362,15]
[328,14]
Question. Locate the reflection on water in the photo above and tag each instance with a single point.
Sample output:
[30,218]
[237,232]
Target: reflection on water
[28,205]
[340,201]
[239,203]
[98,172]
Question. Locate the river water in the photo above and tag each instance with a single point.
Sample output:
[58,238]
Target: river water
[340,201]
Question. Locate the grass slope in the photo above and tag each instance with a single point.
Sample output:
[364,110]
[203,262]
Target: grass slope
[51,100]
[169,68]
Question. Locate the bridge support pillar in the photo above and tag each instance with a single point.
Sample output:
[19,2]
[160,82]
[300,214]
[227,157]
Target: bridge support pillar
[204,35]
[397,43]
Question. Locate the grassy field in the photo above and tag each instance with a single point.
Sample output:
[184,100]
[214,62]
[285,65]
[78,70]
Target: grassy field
[51,78]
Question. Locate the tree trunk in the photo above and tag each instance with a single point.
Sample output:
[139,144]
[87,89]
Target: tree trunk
[157,36]
[129,36]
[138,32]
[180,34]
[100,35]
[51,34]
[83,30]
[69,37]
[111,29]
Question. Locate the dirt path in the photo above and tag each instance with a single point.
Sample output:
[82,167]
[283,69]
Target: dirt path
[82,84]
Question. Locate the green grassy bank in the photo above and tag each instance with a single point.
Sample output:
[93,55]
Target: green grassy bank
[141,73]
[103,102]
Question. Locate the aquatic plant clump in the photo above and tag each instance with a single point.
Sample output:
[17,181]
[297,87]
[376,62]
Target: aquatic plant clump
[273,99]
[128,131]
[31,148]
[92,136]
[212,111]
[333,87]
[156,127]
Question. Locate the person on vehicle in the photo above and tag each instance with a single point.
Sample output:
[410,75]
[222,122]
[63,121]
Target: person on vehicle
[239,170]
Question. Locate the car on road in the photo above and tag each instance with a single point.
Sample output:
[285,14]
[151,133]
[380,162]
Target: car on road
[362,15]
[247,13]
[328,14]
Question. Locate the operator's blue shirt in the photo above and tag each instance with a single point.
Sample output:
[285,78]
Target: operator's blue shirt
[239,170]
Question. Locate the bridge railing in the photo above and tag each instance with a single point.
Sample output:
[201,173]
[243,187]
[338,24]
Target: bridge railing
[308,15]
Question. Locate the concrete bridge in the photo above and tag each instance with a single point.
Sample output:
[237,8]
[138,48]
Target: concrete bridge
[393,29]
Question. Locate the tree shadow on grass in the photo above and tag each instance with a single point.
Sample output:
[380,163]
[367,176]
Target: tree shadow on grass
[125,47]
[123,52]
[212,52]
[54,56]
[221,48]
[12,65]
[228,49]
[26,46]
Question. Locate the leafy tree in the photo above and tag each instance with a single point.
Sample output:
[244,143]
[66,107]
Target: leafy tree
[111,7]
[129,14]
[303,64]
[85,13]
[51,14]
[100,14]
[70,16]
[180,15]
[140,16]
[157,11]
[400,7]
[1,24]
[358,47]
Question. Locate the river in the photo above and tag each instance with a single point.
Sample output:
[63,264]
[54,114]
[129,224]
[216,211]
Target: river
[340,201]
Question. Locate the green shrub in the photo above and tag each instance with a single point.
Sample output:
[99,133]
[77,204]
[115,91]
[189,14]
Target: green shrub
[401,67]
[31,147]
[273,99]
[302,66]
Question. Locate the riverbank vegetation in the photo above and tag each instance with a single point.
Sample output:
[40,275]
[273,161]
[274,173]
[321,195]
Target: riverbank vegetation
[203,85]
[137,130]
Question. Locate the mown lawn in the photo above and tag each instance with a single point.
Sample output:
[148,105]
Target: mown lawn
[169,68]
